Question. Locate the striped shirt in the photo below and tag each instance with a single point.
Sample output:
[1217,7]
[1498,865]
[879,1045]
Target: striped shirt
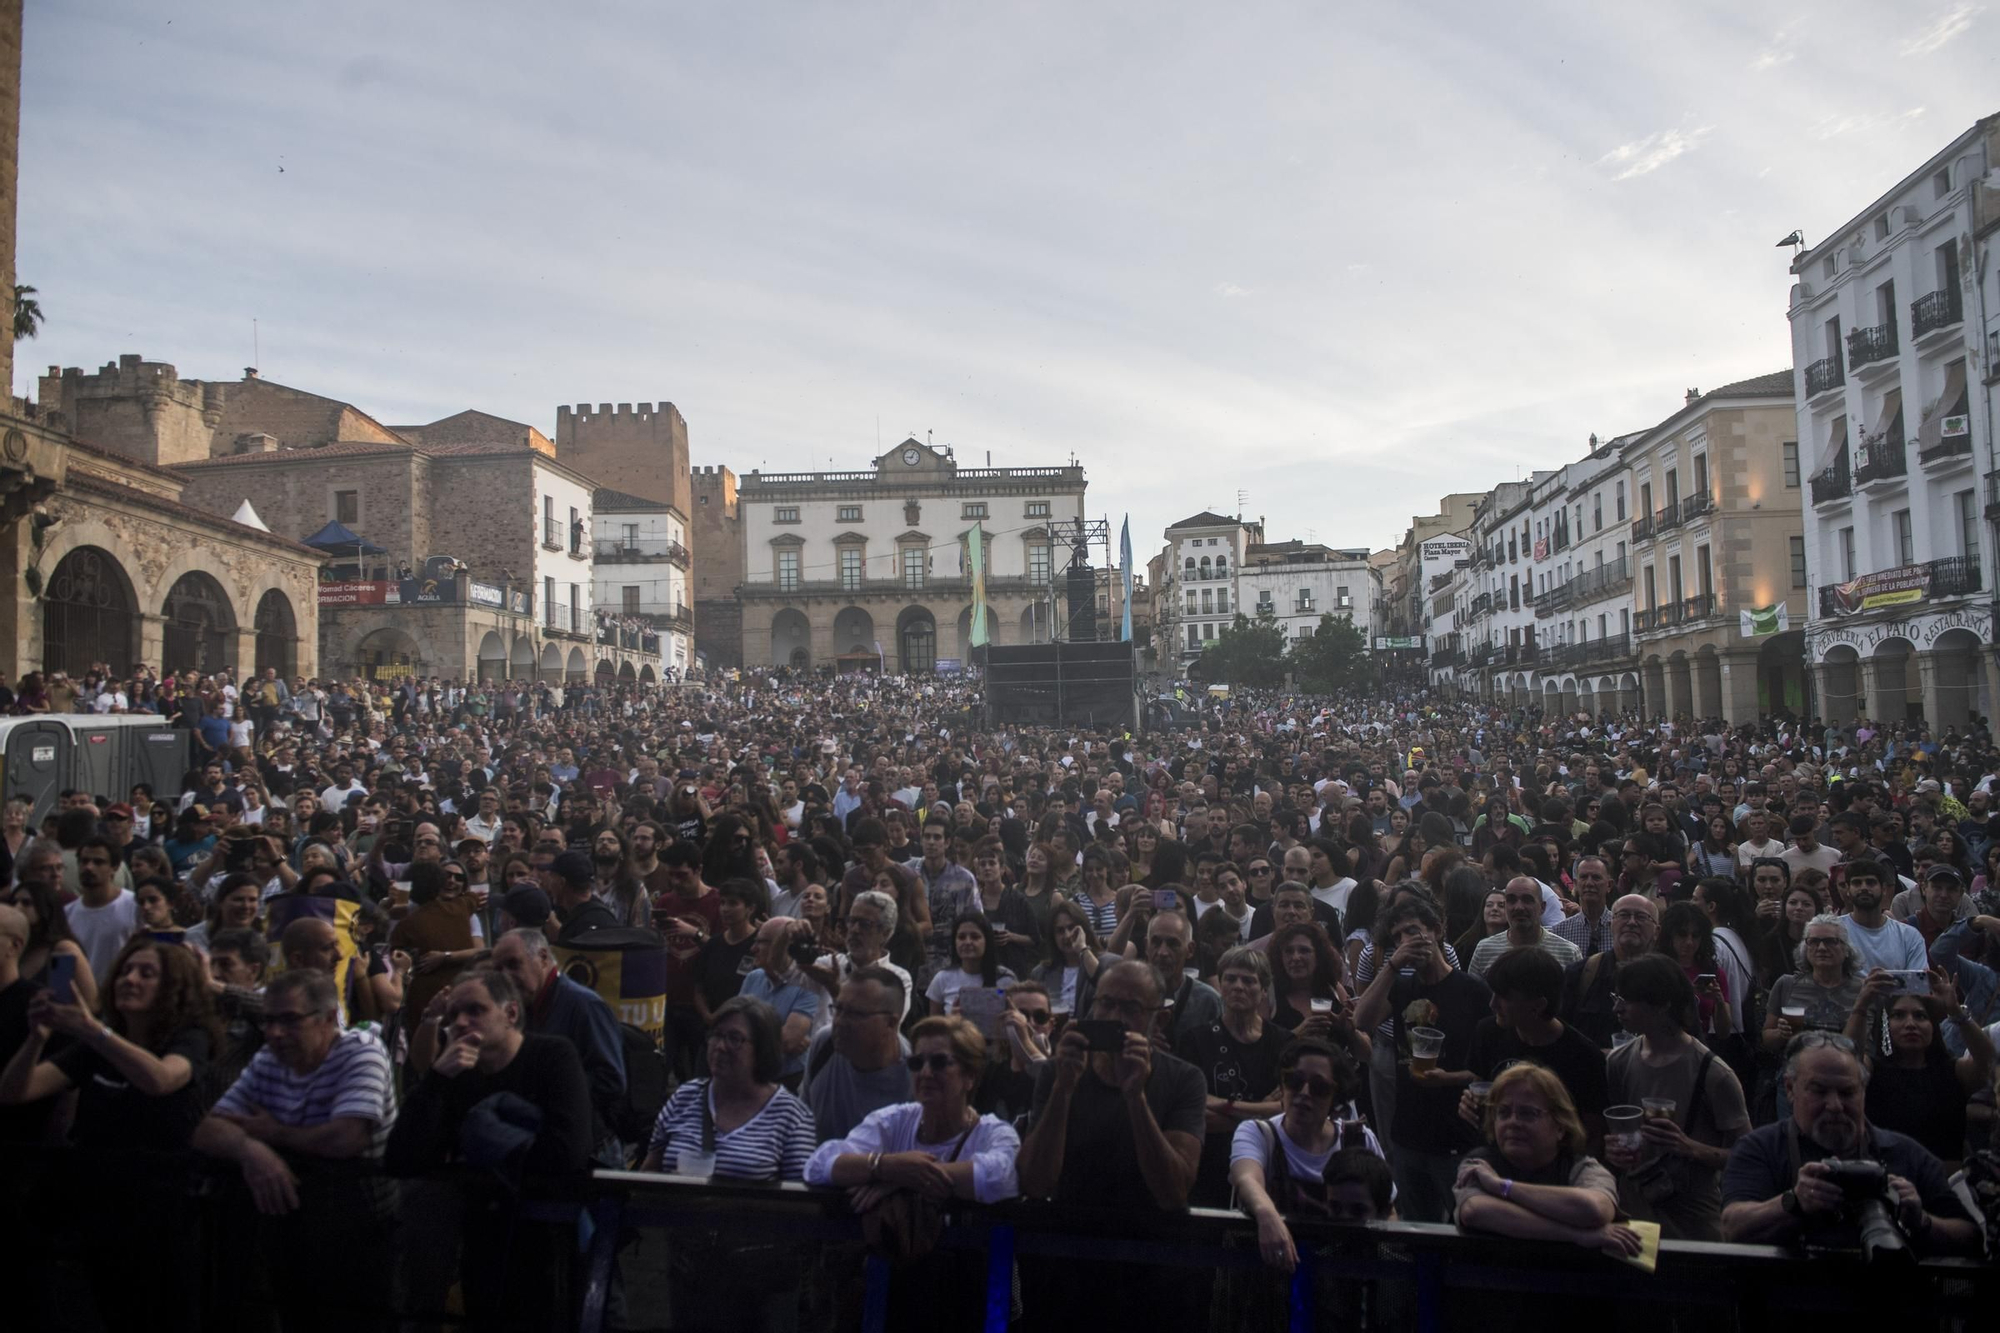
[352,1083]
[1364,972]
[1493,946]
[772,1144]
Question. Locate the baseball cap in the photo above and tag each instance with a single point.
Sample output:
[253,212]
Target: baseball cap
[119,811]
[575,867]
[526,904]
[1944,872]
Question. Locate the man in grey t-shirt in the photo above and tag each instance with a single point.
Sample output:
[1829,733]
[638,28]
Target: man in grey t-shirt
[856,1066]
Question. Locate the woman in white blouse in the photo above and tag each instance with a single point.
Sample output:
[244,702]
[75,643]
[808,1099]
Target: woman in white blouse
[936,1146]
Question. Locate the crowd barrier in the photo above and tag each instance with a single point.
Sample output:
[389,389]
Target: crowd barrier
[1711,1287]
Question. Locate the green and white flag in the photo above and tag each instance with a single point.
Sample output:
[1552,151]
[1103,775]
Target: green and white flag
[1759,621]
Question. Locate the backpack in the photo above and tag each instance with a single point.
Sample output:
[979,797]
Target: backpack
[648,1082]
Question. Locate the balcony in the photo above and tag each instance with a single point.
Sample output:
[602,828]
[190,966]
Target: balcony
[1940,310]
[1955,576]
[1481,605]
[1947,448]
[1867,346]
[562,618]
[1698,607]
[1642,528]
[1824,375]
[1829,602]
[622,551]
[1593,584]
[1697,505]
[1530,652]
[1667,518]
[1832,483]
[1881,460]
[1545,606]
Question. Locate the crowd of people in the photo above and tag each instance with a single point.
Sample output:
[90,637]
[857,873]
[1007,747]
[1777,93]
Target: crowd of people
[1565,979]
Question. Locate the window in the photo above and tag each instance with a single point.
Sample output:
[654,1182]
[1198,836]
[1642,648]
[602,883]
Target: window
[1968,526]
[1596,513]
[630,536]
[850,567]
[1674,584]
[1208,631]
[1038,564]
[1700,475]
[347,506]
[1264,597]
[1904,537]
[1038,509]
[550,537]
[1881,234]
[785,514]
[849,514]
[1306,631]
[1652,592]
[1941,184]
[1208,601]
[1704,571]
[1798,562]
[915,562]
[788,570]
[1194,636]
[575,606]
[575,531]
[1791,453]
[1619,503]
[974,510]
[1340,596]
[1645,499]
[629,598]
[549,598]
[1193,601]
[704,499]
[1846,554]
[1222,601]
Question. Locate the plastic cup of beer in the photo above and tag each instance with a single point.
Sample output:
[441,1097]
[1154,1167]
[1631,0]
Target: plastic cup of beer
[1425,1043]
[1795,1014]
[1322,1006]
[1621,1125]
[1661,1108]
[1621,1038]
[1481,1089]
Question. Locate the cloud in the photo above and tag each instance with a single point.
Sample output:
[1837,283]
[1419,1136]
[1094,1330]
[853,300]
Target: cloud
[1832,127]
[1230,289]
[1652,152]
[1770,60]
[1948,27]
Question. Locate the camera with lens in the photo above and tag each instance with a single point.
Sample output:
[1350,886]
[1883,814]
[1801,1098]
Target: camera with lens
[1868,1203]
[804,949]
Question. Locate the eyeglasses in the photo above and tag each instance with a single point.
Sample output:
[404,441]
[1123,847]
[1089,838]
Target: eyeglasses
[1318,1087]
[285,1020]
[863,923]
[728,1041]
[1823,941]
[841,1011]
[935,1061]
[1041,1018]
[1527,1115]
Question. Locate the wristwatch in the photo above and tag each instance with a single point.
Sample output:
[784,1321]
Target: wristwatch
[1789,1201]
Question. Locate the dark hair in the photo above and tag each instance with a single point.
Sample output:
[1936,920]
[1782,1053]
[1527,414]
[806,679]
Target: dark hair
[182,1000]
[1068,908]
[1346,1074]
[767,1061]
[1863,868]
[989,961]
[1404,908]
[1170,862]
[247,944]
[750,892]
[1360,1167]
[1732,904]
[1327,960]
[681,854]
[1685,918]
[313,987]
[51,922]
[426,882]
[1529,973]
[1657,979]
[884,978]
[500,988]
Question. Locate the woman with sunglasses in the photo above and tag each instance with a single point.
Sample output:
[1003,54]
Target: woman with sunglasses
[936,1148]
[438,932]
[1533,1179]
[1277,1164]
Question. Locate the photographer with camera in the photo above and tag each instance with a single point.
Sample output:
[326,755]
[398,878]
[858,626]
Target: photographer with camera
[1826,1178]
[796,998]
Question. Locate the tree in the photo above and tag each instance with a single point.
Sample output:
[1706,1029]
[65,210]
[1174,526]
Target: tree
[1248,653]
[1332,659]
[27,314]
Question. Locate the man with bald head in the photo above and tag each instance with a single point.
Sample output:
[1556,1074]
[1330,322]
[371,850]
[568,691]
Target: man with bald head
[1588,983]
[1524,929]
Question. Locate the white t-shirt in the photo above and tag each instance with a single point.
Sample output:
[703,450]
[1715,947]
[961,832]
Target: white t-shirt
[1248,1143]
[945,986]
[102,931]
[1894,944]
[1336,895]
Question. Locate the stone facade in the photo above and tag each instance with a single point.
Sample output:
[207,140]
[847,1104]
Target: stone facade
[116,541]
[640,450]
[717,540]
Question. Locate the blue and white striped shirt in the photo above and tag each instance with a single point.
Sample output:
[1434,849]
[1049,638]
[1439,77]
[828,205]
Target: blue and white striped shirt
[774,1143]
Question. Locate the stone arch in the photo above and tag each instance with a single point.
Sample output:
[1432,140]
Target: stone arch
[1653,672]
[965,631]
[1628,692]
[1680,683]
[389,653]
[200,624]
[854,632]
[916,641]
[277,633]
[1957,683]
[604,670]
[791,638]
[521,665]
[492,657]
[646,676]
[1840,684]
[1893,694]
[1781,674]
[1035,623]
[551,666]
[626,672]
[1707,681]
[577,667]
[89,613]
[1569,694]
[1586,696]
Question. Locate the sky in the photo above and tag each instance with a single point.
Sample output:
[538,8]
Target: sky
[1319,263]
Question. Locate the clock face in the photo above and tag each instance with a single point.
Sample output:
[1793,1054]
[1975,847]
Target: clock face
[911,456]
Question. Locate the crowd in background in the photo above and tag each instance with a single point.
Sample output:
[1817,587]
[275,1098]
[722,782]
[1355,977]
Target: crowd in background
[1566,979]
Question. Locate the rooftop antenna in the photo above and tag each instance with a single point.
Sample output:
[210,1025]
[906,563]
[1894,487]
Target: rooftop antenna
[256,345]
[1242,501]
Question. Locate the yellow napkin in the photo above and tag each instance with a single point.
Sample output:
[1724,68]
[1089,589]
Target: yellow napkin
[1648,1257]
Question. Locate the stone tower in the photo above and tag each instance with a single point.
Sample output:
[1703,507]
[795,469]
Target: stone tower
[716,538]
[640,450]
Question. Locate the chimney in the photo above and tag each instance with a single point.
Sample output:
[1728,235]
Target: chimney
[249,372]
[1692,395]
[1593,441]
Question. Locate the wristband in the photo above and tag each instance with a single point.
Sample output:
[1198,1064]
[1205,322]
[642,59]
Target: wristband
[1506,1189]
[874,1167]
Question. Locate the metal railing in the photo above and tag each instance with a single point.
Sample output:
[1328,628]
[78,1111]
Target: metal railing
[1825,374]
[1667,517]
[1939,310]
[1697,505]
[622,551]
[1865,346]
[1887,459]
[1642,528]
[1833,482]
[1954,446]
[1698,607]
[1956,576]
[559,615]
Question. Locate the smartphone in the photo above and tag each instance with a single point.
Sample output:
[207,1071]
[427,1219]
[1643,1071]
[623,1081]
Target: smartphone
[1166,900]
[62,978]
[1912,981]
[1103,1034]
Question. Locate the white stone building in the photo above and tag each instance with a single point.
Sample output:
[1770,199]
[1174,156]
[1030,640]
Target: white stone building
[1895,320]
[640,568]
[1298,582]
[1207,550]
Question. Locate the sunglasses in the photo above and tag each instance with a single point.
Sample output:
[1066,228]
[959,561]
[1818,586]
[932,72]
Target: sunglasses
[1041,1018]
[1318,1087]
[937,1063]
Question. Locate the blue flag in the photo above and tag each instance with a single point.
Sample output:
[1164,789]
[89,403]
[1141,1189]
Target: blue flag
[1125,560]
